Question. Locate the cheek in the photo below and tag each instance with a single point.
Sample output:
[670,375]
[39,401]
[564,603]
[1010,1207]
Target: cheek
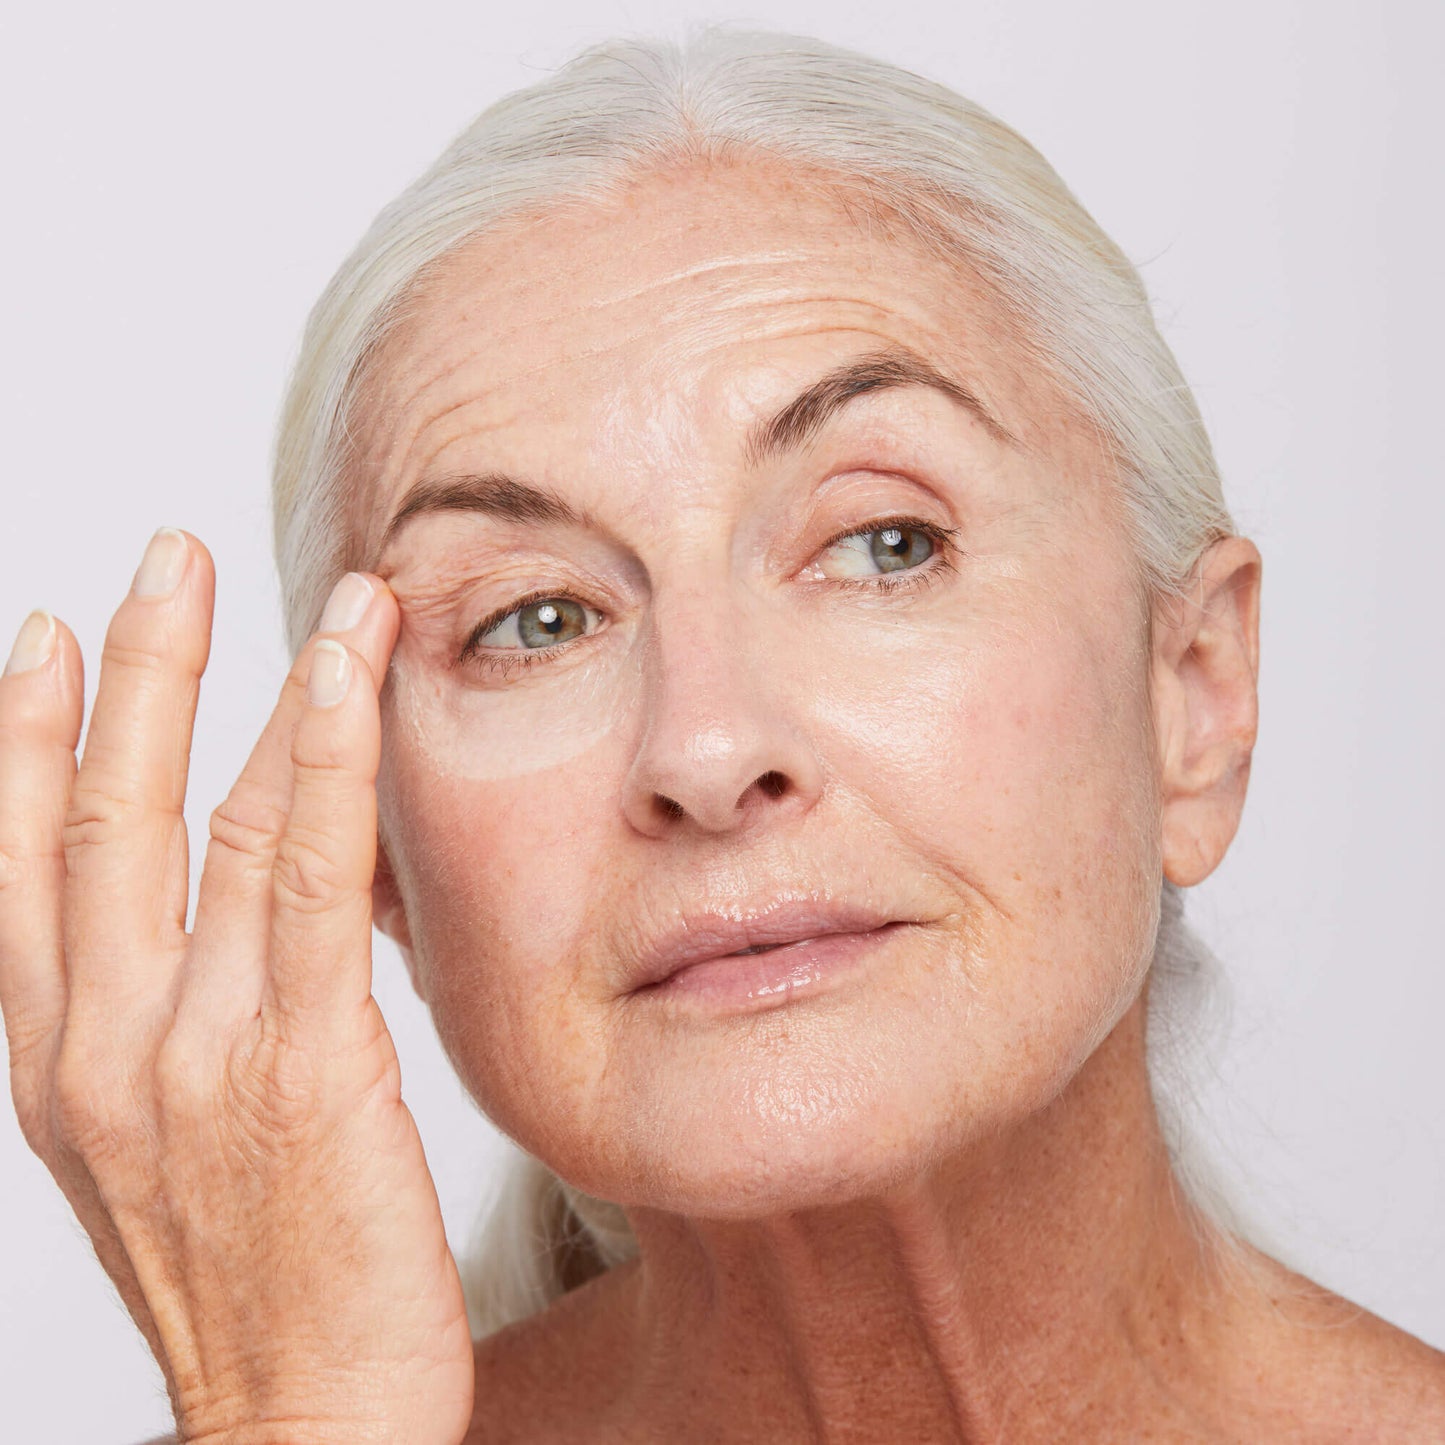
[497,873]
[1010,754]
[1013,740]
[1080,819]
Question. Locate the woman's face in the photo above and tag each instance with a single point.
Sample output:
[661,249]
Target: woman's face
[879,655]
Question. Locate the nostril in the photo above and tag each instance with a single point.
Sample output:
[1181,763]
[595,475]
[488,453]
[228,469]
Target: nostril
[774,784]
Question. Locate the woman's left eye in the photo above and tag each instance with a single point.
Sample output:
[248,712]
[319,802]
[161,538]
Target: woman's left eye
[888,547]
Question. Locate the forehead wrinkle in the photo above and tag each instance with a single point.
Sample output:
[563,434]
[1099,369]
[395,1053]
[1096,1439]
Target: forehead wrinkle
[715,267]
[709,303]
[722,302]
[567,315]
[909,329]
[705,313]
[498,385]
[413,442]
[631,437]
[678,328]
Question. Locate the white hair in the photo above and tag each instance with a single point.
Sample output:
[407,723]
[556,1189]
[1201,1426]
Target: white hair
[905,148]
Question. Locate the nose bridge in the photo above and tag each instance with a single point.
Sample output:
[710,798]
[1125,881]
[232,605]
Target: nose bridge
[719,741]
[698,651]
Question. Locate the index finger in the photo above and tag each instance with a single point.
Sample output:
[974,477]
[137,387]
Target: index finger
[233,910]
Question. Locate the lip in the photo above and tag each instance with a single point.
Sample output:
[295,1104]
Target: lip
[752,981]
[702,955]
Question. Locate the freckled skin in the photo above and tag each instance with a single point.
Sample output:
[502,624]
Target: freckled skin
[992,756]
[895,716]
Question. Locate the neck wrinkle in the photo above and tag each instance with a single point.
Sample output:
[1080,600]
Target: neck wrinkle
[1047,1276]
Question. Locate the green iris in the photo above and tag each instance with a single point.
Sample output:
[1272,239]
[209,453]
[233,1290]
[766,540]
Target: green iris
[552,619]
[896,548]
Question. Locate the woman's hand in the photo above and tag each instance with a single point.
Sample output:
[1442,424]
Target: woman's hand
[223,1109]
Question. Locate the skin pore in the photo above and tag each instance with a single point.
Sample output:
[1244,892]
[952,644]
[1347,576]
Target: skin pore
[925,1198]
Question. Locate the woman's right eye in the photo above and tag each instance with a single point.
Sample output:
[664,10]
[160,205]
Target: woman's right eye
[537,622]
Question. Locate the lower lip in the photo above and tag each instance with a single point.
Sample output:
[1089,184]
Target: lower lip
[776,976]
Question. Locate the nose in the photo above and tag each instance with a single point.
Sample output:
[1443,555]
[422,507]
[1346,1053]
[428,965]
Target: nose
[722,748]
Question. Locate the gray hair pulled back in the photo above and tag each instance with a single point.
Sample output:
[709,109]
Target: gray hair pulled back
[957,177]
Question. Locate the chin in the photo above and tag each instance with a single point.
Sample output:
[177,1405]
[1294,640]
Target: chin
[785,1139]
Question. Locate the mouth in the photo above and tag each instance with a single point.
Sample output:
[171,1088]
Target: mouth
[770,971]
[703,935]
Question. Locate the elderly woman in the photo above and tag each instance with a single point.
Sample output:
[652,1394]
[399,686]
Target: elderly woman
[770,647]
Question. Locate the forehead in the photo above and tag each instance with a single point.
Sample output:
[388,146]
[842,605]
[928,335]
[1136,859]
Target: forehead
[649,329]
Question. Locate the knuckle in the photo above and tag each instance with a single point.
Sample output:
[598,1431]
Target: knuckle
[282,1093]
[293,690]
[307,876]
[121,653]
[182,1075]
[16,869]
[97,814]
[278,1083]
[155,644]
[21,731]
[83,1112]
[36,1133]
[29,1038]
[321,753]
[246,823]
[30,1092]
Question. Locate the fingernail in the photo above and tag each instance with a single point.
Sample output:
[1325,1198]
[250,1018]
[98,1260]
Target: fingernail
[34,644]
[347,604]
[159,573]
[330,674]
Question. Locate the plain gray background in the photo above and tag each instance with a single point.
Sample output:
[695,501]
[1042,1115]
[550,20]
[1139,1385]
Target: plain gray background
[181,181]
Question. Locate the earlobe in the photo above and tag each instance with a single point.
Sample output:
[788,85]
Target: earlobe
[1206,665]
[388,913]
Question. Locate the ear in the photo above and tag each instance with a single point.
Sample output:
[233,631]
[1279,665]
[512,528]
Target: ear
[1205,667]
[388,913]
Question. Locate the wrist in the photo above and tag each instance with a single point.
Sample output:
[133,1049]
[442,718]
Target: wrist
[318,1406]
[281,1431]
[271,1422]
[279,1428]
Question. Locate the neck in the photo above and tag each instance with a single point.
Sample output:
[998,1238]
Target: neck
[1047,1277]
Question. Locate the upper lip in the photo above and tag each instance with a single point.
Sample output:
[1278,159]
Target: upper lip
[701,936]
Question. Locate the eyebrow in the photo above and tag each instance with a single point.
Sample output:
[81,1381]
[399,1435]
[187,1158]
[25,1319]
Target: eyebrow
[895,366]
[495,494]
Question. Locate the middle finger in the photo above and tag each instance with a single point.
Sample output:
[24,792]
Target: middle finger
[125,835]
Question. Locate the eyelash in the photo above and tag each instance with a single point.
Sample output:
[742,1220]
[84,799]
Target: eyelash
[912,579]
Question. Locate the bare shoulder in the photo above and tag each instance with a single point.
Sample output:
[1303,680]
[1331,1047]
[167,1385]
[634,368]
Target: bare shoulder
[546,1377]
[1339,1373]
[1389,1385]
